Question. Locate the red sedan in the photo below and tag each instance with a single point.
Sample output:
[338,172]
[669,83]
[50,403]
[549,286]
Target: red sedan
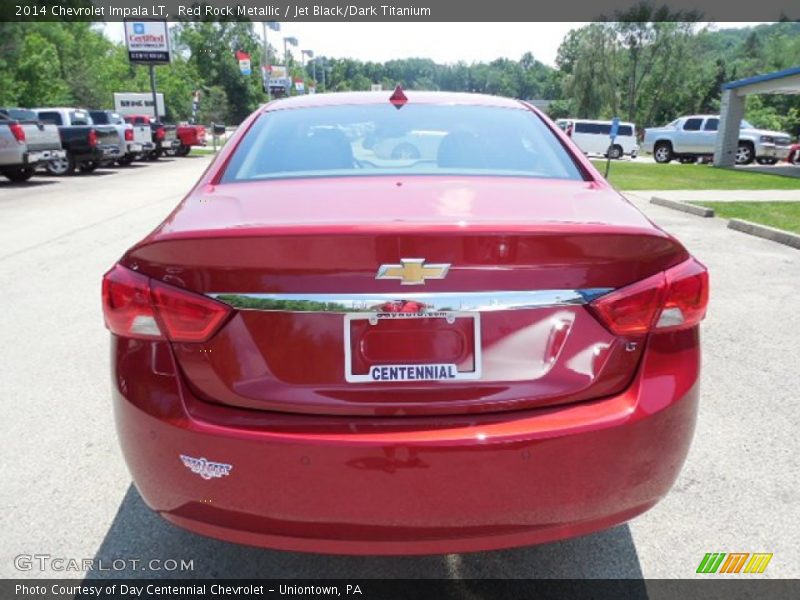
[474,343]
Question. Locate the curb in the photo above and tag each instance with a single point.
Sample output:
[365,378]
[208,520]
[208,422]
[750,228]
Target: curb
[768,233]
[699,211]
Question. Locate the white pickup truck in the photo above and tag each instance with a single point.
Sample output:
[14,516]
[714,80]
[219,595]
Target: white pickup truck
[135,140]
[692,137]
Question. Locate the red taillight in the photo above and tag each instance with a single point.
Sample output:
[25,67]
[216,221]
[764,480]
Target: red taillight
[187,317]
[687,296]
[127,307]
[137,307]
[675,299]
[92,138]
[129,135]
[569,130]
[18,132]
[160,133]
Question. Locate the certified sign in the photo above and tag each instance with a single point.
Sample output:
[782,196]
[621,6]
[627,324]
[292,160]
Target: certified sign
[147,41]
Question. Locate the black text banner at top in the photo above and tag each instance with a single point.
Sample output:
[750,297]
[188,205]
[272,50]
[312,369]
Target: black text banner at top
[398,10]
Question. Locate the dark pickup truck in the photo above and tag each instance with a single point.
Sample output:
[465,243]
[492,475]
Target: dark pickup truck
[165,137]
[87,144]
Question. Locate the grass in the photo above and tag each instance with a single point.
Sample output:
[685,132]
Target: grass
[651,176]
[200,150]
[782,215]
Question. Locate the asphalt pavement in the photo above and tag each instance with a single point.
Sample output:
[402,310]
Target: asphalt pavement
[66,491]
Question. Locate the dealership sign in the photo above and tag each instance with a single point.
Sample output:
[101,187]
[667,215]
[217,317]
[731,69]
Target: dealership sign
[132,103]
[147,41]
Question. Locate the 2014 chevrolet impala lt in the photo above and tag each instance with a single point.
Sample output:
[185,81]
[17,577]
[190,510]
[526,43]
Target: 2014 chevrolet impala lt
[465,341]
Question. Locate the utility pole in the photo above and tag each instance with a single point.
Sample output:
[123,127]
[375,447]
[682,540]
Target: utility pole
[153,89]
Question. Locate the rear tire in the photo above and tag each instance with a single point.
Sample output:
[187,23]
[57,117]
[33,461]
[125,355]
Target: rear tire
[183,150]
[61,166]
[766,160]
[87,167]
[19,175]
[125,160]
[745,154]
[687,160]
[662,153]
[615,152]
[154,154]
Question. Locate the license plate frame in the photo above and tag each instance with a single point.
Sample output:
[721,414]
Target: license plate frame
[351,377]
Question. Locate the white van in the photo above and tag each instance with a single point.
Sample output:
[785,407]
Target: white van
[592,137]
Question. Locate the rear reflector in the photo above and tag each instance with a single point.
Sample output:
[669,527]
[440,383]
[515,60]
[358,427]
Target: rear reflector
[137,307]
[674,299]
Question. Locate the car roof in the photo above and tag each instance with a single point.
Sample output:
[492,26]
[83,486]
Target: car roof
[345,98]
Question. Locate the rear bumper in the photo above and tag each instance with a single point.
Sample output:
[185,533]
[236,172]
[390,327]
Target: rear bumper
[36,157]
[399,485]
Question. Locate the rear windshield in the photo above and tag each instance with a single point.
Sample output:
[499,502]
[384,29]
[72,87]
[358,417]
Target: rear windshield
[20,114]
[414,140]
[99,117]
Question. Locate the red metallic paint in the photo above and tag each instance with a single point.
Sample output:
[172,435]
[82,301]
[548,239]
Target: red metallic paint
[323,465]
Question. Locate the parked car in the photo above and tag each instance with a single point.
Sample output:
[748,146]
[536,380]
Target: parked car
[690,138]
[594,137]
[490,349]
[87,144]
[26,143]
[134,139]
[190,135]
[163,136]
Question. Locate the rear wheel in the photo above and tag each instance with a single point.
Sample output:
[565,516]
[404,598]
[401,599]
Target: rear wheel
[87,167]
[61,166]
[687,160]
[183,150]
[154,154]
[125,160]
[663,152]
[615,152]
[767,160]
[745,153]
[19,175]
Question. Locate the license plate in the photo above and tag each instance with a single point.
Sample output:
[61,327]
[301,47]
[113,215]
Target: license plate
[412,347]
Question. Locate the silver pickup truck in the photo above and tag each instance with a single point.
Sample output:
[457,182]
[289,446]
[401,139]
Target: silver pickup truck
[135,140]
[689,138]
[25,143]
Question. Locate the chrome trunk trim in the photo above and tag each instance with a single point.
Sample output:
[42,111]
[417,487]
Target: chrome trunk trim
[428,301]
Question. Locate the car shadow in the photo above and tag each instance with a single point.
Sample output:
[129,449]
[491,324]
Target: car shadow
[10,185]
[138,533]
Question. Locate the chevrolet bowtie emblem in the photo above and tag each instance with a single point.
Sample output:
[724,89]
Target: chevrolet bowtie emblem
[412,271]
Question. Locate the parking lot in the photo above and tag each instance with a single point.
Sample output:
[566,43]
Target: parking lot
[67,492]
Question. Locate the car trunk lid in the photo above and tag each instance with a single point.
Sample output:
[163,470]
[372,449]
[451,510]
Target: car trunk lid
[328,323]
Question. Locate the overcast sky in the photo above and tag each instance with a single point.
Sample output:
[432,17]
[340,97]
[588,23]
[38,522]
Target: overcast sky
[442,42]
